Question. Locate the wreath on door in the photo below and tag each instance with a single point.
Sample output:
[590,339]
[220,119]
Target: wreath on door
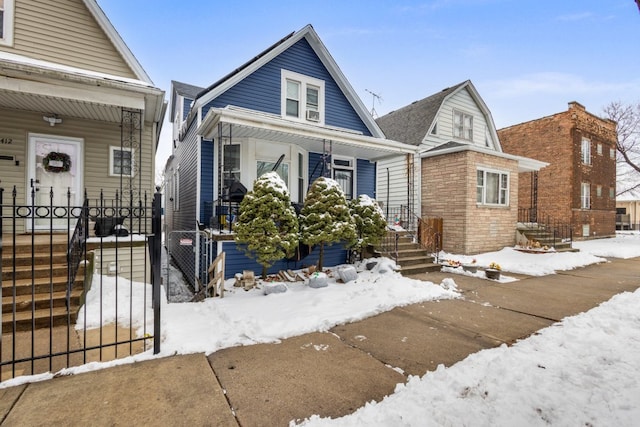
[57,162]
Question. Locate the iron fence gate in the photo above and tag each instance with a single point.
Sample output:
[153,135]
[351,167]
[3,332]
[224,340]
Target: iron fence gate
[85,287]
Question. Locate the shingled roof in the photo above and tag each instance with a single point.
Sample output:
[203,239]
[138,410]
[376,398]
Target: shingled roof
[411,124]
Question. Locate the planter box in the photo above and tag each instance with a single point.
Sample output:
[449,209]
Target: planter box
[470,268]
[492,274]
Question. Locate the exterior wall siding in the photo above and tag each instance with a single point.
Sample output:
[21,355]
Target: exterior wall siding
[66,33]
[449,192]
[393,192]
[365,178]
[261,90]
[184,213]
[460,101]
[97,137]
[557,139]
[237,261]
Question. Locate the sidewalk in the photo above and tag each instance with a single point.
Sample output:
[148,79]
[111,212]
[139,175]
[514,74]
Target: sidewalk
[331,374]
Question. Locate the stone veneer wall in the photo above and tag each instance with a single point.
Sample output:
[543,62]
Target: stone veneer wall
[449,191]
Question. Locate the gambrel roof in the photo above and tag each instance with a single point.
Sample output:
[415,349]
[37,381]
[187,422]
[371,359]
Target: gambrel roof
[411,123]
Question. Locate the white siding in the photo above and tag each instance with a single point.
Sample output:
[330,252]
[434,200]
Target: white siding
[460,101]
[396,192]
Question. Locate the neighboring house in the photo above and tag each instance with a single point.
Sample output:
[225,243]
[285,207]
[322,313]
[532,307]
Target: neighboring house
[290,109]
[77,110]
[628,210]
[579,185]
[462,174]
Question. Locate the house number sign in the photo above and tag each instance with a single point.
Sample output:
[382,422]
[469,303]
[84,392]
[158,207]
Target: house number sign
[6,141]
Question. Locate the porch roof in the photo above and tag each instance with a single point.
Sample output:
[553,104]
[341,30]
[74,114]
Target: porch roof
[525,164]
[253,124]
[42,86]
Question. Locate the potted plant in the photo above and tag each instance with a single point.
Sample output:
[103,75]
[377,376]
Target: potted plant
[471,268]
[493,272]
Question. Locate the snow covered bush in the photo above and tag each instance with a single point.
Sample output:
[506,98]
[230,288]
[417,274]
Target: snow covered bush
[371,225]
[267,224]
[325,216]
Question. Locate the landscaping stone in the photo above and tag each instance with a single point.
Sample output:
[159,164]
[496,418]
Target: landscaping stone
[347,273]
[318,280]
[274,288]
[371,265]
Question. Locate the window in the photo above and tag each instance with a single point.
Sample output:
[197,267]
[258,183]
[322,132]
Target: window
[599,191]
[599,149]
[176,189]
[612,153]
[586,151]
[231,153]
[6,22]
[612,192]
[585,195]
[343,174]
[301,187]
[302,98]
[264,167]
[121,161]
[492,188]
[462,125]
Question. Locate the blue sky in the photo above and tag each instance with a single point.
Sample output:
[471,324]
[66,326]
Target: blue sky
[527,59]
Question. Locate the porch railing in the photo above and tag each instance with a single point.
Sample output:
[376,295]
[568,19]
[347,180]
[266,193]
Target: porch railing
[401,221]
[558,231]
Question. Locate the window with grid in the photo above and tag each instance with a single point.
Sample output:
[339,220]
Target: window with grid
[121,161]
[585,195]
[462,125]
[492,188]
[586,151]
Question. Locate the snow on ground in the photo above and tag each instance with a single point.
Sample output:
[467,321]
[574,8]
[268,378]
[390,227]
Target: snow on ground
[582,371]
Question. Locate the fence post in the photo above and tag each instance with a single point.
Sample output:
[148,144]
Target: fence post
[156,259]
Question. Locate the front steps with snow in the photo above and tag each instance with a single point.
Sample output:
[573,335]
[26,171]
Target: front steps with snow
[411,258]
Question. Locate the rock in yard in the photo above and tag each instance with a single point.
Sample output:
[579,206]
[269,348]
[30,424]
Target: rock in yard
[347,273]
[318,280]
[274,288]
[371,264]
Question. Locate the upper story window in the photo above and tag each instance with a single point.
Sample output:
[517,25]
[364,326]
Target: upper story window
[492,188]
[585,195]
[302,97]
[612,153]
[599,149]
[6,22]
[586,151]
[462,125]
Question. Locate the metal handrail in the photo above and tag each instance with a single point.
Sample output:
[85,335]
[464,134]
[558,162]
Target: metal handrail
[561,231]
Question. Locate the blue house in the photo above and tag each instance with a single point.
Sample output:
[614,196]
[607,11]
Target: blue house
[289,109]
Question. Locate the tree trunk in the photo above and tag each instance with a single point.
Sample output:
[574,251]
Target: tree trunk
[321,257]
[264,272]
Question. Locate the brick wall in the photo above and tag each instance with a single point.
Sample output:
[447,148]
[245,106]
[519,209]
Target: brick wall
[449,191]
[557,139]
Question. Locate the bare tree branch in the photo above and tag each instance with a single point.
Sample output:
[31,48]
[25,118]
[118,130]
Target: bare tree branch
[627,118]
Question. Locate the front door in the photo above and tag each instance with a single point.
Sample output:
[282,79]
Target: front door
[55,167]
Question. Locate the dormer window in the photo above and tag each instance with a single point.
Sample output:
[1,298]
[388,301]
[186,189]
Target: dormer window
[6,22]
[462,125]
[302,97]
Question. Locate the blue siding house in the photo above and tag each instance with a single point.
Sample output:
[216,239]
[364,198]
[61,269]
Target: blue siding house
[289,109]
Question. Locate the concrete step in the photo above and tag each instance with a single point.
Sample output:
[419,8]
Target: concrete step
[41,318]
[419,268]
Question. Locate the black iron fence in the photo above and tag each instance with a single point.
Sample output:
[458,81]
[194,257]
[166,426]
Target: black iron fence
[558,232]
[79,283]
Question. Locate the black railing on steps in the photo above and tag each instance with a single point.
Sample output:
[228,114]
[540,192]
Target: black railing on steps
[401,221]
[559,231]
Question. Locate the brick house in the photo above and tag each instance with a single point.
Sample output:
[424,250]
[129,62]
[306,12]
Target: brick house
[579,185]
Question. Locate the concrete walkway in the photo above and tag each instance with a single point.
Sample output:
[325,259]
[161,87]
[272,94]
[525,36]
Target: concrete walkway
[330,374]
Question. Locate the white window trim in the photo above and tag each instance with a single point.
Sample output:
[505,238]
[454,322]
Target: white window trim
[585,196]
[352,168]
[599,149]
[464,129]
[7,38]
[612,153]
[585,151]
[302,106]
[112,149]
[484,187]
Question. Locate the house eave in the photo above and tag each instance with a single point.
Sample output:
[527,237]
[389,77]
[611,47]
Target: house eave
[525,164]
[263,125]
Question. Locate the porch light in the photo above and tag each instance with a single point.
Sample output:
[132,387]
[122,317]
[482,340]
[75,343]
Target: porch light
[52,120]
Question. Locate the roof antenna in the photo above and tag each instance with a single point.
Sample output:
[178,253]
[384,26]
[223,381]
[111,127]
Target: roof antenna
[374,96]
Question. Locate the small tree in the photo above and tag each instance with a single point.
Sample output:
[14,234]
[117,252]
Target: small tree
[267,224]
[325,216]
[371,224]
